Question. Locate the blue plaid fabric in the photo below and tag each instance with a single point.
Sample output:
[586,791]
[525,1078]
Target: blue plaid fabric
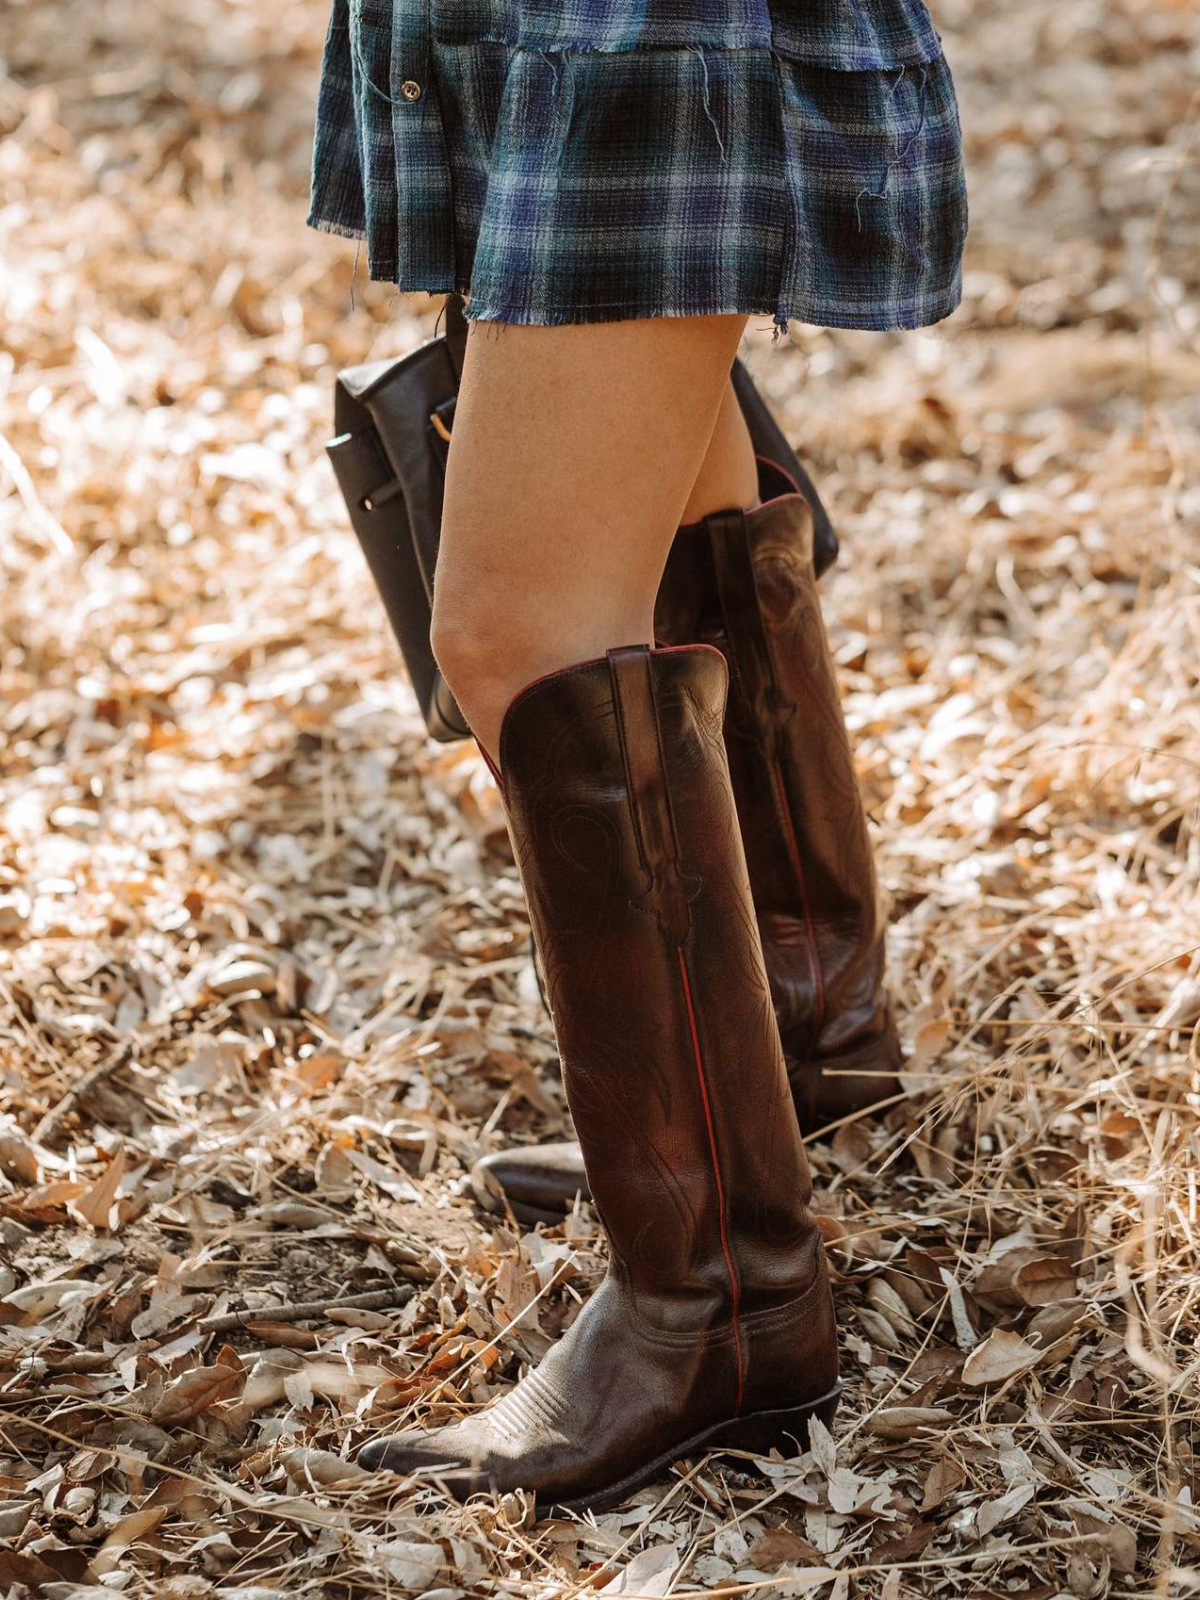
[589,160]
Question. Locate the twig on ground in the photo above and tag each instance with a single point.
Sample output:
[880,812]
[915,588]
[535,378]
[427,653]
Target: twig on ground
[299,1310]
[48,1127]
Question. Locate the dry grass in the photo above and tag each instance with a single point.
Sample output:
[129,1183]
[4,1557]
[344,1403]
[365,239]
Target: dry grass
[271,948]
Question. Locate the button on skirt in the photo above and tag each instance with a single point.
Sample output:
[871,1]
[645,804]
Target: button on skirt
[569,184]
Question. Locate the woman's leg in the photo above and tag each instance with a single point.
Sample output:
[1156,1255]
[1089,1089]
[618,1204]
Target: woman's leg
[575,455]
[728,477]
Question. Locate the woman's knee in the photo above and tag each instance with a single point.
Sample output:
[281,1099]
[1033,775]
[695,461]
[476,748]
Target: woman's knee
[489,647]
[482,649]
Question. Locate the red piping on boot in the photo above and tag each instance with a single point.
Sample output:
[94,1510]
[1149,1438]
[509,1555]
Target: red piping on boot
[734,1290]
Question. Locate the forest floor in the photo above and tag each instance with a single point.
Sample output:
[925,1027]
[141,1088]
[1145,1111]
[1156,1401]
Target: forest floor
[265,990]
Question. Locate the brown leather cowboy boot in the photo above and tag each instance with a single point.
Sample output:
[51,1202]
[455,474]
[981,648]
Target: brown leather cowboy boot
[745,582]
[713,1326]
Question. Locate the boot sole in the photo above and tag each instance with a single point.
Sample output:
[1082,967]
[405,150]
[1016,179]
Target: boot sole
[535,1214]
[759,1432]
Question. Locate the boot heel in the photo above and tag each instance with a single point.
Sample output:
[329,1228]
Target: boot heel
[786,1431]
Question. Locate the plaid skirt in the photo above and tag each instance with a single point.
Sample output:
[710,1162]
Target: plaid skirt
[587,161]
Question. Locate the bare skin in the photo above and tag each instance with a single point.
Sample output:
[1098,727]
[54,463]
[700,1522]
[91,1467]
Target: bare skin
[577,452]
[728,476]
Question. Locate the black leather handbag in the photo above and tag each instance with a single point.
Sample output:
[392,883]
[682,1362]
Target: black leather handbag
[392,423]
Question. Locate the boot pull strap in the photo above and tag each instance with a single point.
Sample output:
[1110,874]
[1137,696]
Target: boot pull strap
[745,630]
[669,890]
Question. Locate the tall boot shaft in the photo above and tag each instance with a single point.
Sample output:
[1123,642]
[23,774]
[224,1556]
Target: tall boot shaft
[745,582]
[621,813]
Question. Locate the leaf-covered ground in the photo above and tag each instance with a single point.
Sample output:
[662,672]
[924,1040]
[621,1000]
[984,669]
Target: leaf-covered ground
[265,988]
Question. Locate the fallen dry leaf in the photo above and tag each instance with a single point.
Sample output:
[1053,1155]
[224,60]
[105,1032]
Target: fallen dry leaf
[1046,1281]
[907,1422]
[16,1568]
[1001,1356]
[777,1546]
[128,1531]
[944,1477]
[194,1392]
[321,1467]
[95,1205]
[18,1159]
